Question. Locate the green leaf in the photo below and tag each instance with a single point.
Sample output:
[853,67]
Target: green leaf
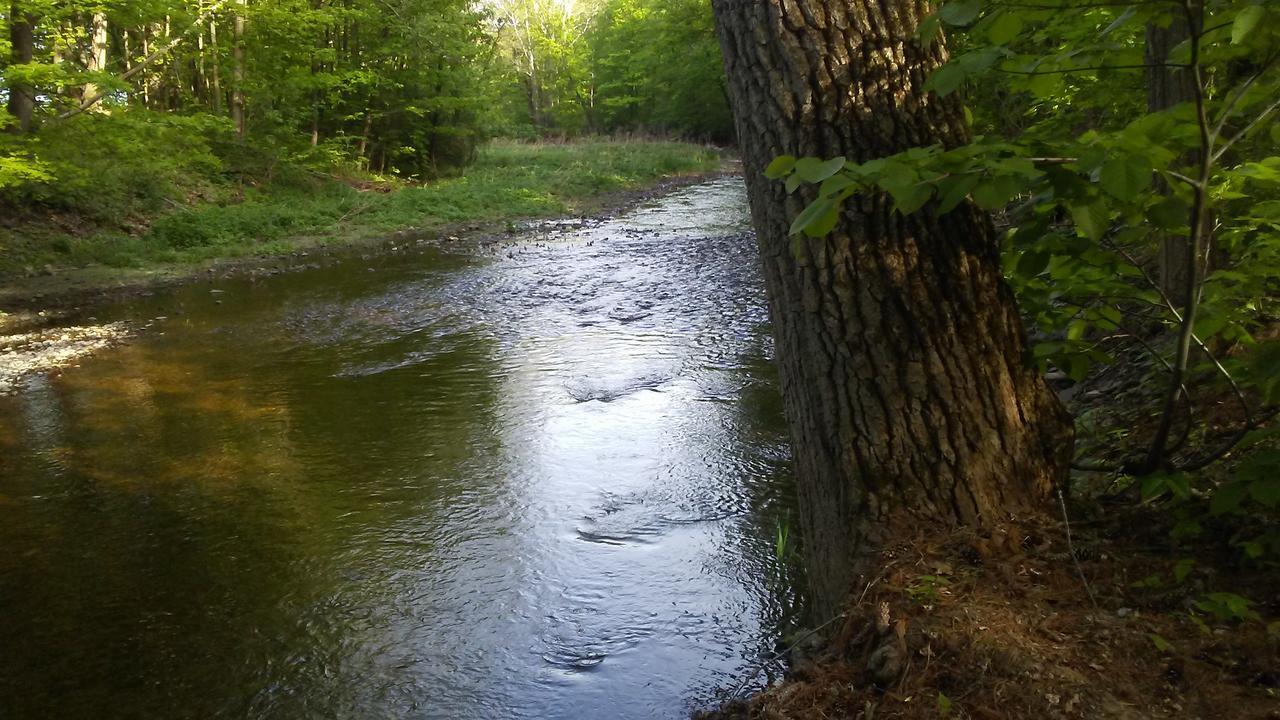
[1171,213]
[1246,20]
[996,192]
[1228,497]
[1182,568]
[1033,263]
[946,79]
[793,182]
[825,223]
[1044,86]
[960,12]
[1266,492]
[1179,484]
[1153,486]
[780,167]
[835,184]
[1109,317]
[927,32]
[1161,644]
[810,214]
[1091,219]
[1004,28]
[910,198]
[953,190]
[1125,177]
[813,170]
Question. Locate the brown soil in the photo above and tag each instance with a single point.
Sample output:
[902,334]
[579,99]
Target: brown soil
[1101,623]
[966,632]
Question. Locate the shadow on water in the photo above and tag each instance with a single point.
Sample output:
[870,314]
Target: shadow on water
[538,479]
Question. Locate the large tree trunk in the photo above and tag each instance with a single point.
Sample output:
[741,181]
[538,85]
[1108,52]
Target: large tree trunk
[900,349]
[1167,87]
[22,96]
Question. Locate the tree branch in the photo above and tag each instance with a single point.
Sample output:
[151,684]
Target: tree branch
[1137,66]
[1227,145]
[1080,6]
[1238,95]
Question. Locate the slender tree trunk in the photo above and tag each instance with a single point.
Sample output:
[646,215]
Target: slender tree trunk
[325,41]
[97,58]
[901,352]
[364,138]
[146,76]
[22,95]
[237,69]
[1167,87]
[201,83]
[215,75]
[126,53]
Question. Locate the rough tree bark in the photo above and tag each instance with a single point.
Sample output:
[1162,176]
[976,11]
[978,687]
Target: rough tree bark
[22,96]
[900,349]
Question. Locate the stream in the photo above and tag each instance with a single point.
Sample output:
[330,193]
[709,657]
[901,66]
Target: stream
[540,478]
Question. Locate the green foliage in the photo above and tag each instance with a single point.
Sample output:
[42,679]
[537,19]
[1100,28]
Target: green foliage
[109,167]
[396,86]
[1091,182]
[508,180]
[782,540]
[1224,607]
[944,705]
[927,589]
[615,65]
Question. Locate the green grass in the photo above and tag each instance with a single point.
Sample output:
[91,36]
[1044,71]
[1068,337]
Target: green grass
[507,182]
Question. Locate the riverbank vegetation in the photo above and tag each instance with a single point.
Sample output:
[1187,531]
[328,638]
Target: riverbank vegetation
[235,206]
[170,131]
[1105,175]
[1022,260]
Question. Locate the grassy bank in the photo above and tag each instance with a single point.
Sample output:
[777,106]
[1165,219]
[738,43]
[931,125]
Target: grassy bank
[229,214]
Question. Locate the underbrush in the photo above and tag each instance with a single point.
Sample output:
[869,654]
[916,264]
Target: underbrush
[144,189]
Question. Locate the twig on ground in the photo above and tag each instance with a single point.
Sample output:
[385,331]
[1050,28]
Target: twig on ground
[1071,548]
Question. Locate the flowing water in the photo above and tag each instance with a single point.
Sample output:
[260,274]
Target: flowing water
[532,479]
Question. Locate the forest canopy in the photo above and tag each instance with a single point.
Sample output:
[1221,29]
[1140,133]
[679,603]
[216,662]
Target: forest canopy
[407,87]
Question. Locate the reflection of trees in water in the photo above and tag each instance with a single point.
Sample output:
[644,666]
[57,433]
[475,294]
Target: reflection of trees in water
[178,527]
[146,418]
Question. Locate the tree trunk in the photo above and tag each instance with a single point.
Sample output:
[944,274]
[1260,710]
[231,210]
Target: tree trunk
[22,96]
[200,85]
[97,59]
[237,69]
[215,79]
[1167,87]
[364,139]
[901,353]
